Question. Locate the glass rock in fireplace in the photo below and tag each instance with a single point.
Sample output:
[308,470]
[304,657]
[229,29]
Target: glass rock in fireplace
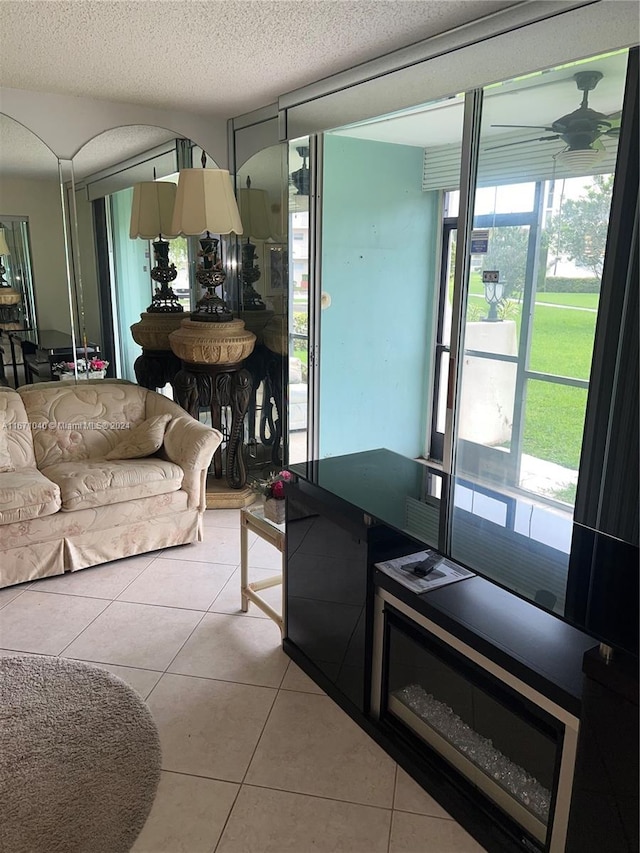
[478,749]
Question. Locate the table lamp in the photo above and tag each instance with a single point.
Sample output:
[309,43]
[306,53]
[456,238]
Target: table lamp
[206,205]
[254,212]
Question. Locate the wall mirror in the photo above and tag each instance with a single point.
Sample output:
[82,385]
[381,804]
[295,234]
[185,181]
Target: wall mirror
[112,271]
[35,254]
[261,184]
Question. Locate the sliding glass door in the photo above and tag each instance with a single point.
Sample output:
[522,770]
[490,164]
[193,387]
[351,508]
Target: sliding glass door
[529,299]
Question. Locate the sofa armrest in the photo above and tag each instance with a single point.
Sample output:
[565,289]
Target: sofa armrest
[190,444]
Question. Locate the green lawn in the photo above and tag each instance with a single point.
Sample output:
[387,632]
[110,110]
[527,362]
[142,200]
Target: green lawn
[561,344]
[562,341]
[579,300]
[301,353]
[554,420]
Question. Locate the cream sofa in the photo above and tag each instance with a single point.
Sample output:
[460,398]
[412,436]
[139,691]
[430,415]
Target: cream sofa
[64,506]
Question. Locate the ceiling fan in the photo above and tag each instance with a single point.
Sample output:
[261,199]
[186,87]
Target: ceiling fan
[581,130]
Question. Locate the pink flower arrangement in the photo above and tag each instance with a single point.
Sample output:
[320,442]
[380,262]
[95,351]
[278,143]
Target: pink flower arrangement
[92,366]
[274,486]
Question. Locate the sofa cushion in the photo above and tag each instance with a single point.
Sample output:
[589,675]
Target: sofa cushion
[99,482]
[17,429]
[83,420]
[142,440]
[27,494]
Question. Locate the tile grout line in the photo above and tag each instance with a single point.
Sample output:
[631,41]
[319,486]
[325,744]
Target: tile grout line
[104,609]
[165,671]
[318,797]
[115,600]
[15,597]
[75,595]
[204,613]
[393,807]
[226,821]
[277,690]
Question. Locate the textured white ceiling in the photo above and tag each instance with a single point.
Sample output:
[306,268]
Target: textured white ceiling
[214,57]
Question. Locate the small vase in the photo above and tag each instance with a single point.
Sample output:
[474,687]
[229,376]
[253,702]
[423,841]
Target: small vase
[275,510]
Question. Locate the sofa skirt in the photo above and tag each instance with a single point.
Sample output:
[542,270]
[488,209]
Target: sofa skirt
[67,541]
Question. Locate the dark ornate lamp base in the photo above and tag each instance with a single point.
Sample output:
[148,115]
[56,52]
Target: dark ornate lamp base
[154,368]
[216,386]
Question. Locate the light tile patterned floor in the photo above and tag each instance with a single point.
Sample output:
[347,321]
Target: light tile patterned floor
[256,759]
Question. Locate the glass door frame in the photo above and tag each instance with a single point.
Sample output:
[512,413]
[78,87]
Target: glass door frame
[532,220]
[314,289]
[436,440]
[471,146]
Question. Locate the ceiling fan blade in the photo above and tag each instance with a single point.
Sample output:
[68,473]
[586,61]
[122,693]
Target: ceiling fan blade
[532,126]
[615,116]
[522,142]
[613,131]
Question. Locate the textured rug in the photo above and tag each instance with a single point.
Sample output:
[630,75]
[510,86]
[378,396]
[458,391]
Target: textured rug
[79,758]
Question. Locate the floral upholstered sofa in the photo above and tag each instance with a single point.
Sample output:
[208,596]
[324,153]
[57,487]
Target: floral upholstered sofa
[94,471]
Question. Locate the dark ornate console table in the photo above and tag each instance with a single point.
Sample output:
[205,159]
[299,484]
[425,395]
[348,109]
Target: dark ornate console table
[509,672]
[42,348]
[217,386]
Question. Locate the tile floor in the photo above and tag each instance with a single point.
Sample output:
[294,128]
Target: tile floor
[256,758]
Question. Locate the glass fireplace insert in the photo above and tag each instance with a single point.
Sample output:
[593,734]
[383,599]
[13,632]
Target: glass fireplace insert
[511,744]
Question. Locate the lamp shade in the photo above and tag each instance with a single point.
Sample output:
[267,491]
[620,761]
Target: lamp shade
[254,212]
[579,161]
[205,201]
[152,210]
[4,249]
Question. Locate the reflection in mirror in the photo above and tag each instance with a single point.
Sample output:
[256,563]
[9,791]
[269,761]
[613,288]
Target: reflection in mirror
[36,261]
[16,284]
[261,184]
[116,287]
[299,304]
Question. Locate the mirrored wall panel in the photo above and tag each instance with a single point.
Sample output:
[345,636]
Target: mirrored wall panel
[300,299]
[114,286]
[385,221]
[263,273]
[35,320]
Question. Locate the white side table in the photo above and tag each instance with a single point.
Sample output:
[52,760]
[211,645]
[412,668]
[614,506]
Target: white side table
[252,518]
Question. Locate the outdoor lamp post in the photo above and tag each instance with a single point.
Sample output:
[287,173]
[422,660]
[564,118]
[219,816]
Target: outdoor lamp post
[493,293]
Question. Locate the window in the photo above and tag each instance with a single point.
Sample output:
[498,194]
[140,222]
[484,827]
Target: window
[530,303]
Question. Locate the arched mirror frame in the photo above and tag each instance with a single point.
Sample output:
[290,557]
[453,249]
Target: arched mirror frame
[113,284]
[71,317]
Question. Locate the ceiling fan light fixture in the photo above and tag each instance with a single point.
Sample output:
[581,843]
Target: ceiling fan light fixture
[579,161]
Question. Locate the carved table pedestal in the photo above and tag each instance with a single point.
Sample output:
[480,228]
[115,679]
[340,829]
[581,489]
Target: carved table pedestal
[217,386]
